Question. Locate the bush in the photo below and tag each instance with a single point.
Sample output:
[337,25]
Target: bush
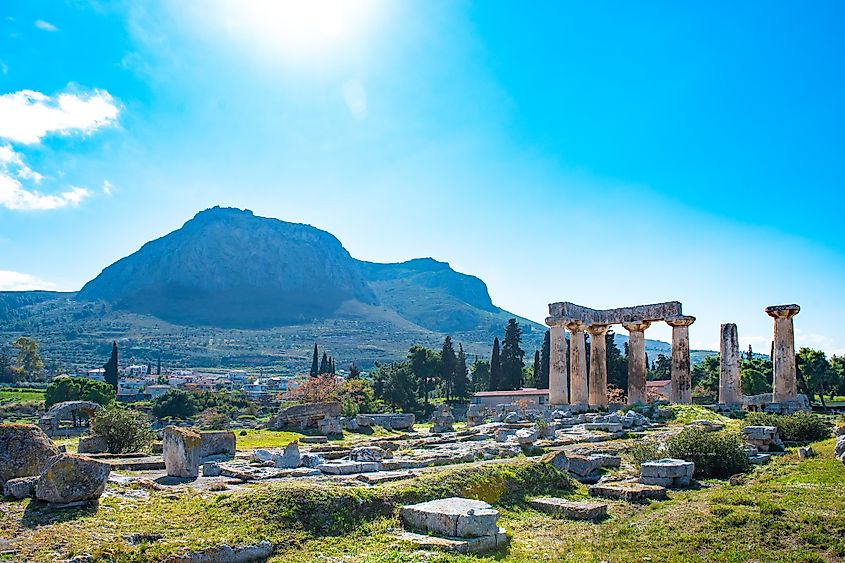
[124,430]
[801,427]
[78,389]
[715,454]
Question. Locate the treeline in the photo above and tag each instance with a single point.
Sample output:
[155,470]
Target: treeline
[818,376]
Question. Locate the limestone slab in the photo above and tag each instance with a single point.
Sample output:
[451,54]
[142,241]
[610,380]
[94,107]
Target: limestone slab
[570,509]
[453,517]
[458,545]
[628,491]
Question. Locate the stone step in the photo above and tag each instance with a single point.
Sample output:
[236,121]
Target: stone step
[458,545]
[384,477]
[453,517]
[628,491]
[574,510]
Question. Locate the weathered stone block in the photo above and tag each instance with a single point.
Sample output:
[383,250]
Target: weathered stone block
[366,453]
[526,436]
[181,449]
[20,487]
[284,459]
[558,460]
[453,517]
[72,478]
[628,491]
[570,509]
[340,467]
[605,426]
[221,443]
[458,545]
[24,451]
[92,445]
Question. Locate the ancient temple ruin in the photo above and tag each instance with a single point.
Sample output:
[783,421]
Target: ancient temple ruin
[582,392]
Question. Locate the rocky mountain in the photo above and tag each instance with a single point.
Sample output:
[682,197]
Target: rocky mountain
[229,268]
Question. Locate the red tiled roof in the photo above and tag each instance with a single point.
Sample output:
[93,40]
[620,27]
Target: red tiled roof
[658,383]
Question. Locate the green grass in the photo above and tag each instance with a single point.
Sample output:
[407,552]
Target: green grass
[265,439]
[684,414]
[14,395]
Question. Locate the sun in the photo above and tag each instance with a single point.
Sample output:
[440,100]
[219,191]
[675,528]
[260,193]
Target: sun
[301,28]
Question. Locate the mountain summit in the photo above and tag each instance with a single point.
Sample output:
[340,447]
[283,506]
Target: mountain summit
[229,268]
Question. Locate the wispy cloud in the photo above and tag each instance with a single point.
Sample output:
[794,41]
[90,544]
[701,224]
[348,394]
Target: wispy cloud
[4,69]
[26,117]
[17,281]
[45,26]
[107,187]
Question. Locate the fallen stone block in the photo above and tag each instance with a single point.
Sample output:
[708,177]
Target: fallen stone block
[311,460]
[340,467]
[452,517]
[570,509]
[211,470]
[367,453]
[628,491]
[227,554]
[314,440]
[181,452]
[457,545]
[605,426]
[804,453]
[384,477]
[72,478]
[92,445]
[558,460]
[218,443]
[759,459]
[667,472]
[25,451]
[20,487]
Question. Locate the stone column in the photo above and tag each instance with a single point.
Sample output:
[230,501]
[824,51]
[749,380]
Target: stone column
[730,385]
[558,378]
[636,361]
[578,394]
[598,366]
[681,380]
[783,357]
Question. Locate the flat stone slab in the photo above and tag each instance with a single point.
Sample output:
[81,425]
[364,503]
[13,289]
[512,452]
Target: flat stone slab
[574,510]
[628,491]
[759,459]
[341,467]
[384,477]
[667,472]
[457,545]
[314,440]
[453,517]
[149,463]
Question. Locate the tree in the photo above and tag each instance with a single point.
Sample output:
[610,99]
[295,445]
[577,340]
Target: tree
[397,386]
[424,363]
[542,379]
[495,367]
[8,373]
[617,364]
[512,357]
[480,375]
[705,376]
[28,358]
[535,369]
[176,403]
[837,366]
[662,367]
[461,384]
[110,366]
[124,430]
[315,368]
[324,364]
[448,366]
[78,389]
[354,371]
[814,370]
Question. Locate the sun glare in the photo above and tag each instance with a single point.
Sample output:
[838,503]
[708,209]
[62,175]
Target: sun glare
[300,28]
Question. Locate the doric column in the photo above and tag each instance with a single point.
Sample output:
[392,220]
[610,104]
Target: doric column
[598,366]
[730,387]
[578,394]
[558,379]
[636,360]
[681,380]
[783,357]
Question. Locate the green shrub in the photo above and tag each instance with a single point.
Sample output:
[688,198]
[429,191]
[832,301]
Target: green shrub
[715,454]
[124,430]
[801,427]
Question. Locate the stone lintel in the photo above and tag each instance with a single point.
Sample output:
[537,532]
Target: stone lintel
[636,326]
[783,311]
[566,311]
[680,320]
[576,326]
[597,329]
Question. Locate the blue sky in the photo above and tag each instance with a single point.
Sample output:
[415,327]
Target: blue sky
[607,154]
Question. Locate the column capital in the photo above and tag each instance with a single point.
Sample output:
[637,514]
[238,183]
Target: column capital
[576,326]
[782,311]
[680,320]
[555,322]
[597,329]
[636,326]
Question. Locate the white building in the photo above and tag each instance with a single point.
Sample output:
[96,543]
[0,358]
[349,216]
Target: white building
[534,397]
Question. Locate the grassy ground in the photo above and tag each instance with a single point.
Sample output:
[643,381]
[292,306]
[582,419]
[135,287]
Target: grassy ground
[14,395]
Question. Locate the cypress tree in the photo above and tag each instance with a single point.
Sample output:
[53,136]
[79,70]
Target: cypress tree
[111,375]
[461,385]
[315,368]
[545,361]
[512,357]
[495,367]
[448,366]
[158,365]
[324,364]
[535,369]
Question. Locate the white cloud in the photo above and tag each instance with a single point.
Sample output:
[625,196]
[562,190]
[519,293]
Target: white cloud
[3,68]
[27,116]
[16,281]
[356,98]
[45,26]
[107,187]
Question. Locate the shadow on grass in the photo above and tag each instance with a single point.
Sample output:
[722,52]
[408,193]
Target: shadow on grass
[38,513]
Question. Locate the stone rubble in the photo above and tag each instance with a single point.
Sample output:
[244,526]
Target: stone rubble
[764,438]
[442,420]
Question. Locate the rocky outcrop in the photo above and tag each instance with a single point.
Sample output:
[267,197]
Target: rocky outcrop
[25,451]
[72,478]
